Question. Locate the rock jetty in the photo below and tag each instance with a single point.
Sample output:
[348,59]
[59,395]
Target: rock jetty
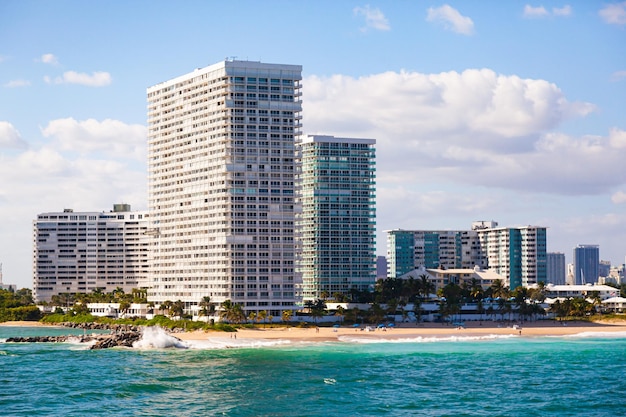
[121,336]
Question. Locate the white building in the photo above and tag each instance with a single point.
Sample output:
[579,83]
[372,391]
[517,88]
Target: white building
[569,291]
[337,224]
[221,151]
[517,253]
[78,252]
[442,277]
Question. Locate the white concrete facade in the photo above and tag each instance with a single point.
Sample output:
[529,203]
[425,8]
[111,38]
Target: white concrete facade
[221,151]
[78,252]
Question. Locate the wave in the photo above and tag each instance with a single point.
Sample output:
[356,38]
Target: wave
[422,339]
[595,335]
[156,338]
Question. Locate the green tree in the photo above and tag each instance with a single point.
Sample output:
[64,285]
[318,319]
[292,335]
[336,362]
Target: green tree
[316,308]
[178,308]
[286,315]
[232,312]
[206,307]
[340,313]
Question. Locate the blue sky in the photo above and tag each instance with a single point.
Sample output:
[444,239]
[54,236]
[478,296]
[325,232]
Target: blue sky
[486,110]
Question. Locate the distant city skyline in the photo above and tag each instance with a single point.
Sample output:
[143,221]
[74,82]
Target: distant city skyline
[510,111]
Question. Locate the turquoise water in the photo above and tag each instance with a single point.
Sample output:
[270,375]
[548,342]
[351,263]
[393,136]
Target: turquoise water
[515,376]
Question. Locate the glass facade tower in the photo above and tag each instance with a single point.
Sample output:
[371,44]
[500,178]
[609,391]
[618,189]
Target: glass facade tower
[337,224]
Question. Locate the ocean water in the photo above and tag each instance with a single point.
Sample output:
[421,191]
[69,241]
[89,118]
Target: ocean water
[582,375]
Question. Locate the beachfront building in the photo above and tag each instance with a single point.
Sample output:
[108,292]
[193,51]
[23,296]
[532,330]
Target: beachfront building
[337,222]
[576,291]
[586,264]
[79,252]
[555,262]
[221,159]
[445,249]
[459,276]
[518,254]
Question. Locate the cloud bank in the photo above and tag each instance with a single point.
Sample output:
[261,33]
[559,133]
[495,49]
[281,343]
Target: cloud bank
[475,127]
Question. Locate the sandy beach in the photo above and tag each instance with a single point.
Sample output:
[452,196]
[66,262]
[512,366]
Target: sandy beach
[329,334]
[402,331]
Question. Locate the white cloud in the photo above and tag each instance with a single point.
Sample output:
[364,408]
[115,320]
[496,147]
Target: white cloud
[451,19]
[10,137]
[530,11]
[49,59]
[614,14]
[540,11]
[96,79]
[476,128]
[618,75]
[17,83]
[619,197]
[374,18]
[563,11]
[110,137]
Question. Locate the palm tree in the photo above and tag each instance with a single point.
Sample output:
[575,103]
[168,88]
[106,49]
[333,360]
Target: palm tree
[124,307]
[206,308]
[498,289]
[261,316]
[252,316]
[166,306]
[426,286]
[318,309]
[286,315]
[232,312]
[177,309]
[340,312]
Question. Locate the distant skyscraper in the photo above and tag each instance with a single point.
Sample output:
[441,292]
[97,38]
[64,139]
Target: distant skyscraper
[556,268]
[586,264]
[337,224]
[381,267]
[79,252]
[221,159]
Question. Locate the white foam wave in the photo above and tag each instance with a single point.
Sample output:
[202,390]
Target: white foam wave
[156,338]
[583,335]
[421,339]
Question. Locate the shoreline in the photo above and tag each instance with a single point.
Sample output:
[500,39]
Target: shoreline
[405,331]
[401,331]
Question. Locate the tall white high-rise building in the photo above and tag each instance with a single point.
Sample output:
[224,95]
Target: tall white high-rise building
[79,252]
[337,224]
[221,152]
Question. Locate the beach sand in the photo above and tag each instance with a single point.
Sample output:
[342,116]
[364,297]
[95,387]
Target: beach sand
[405,331]
[401,331]
[26,324]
